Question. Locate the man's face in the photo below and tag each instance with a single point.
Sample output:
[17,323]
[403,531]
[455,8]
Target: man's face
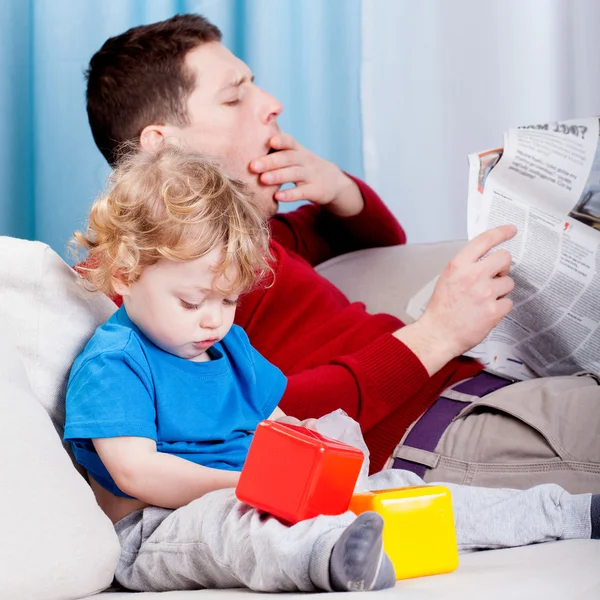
[231,119]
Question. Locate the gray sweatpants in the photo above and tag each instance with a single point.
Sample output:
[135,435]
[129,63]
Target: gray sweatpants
[219,542]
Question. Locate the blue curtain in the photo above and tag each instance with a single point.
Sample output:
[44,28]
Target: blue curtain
[305,52]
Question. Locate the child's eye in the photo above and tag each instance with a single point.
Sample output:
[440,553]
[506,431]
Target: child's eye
[230,301]
[232,102]
[189,306]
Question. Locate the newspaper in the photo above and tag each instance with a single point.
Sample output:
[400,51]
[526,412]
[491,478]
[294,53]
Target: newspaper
[546,181]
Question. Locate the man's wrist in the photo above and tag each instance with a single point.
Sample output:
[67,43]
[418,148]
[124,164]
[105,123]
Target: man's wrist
[348,201]
[428,346]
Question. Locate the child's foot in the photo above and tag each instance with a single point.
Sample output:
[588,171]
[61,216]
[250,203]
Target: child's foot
[358,561]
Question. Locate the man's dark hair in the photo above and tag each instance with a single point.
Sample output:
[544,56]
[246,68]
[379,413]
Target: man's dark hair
[139,78]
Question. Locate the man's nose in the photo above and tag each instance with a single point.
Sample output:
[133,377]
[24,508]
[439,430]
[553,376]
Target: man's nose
[273,108]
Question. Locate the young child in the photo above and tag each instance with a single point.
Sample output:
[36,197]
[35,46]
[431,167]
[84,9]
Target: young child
[163,402]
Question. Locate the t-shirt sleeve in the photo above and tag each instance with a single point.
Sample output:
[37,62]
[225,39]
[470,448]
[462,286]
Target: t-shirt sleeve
[110,395]
[269,381]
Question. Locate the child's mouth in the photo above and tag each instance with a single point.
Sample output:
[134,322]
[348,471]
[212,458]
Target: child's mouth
[205,343]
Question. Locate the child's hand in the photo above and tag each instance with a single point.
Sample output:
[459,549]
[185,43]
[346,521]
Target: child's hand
[308,423]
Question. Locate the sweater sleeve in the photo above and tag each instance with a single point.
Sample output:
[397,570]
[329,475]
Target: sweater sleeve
[317,235]
[369,384]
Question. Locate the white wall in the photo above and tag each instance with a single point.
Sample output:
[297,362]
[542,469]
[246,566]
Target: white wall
[442,79]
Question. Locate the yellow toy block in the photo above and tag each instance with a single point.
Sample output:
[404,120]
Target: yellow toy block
[418,535]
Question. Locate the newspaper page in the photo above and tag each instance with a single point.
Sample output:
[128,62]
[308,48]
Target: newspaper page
[546,181]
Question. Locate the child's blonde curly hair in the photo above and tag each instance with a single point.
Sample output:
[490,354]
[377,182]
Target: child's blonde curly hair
[173,205]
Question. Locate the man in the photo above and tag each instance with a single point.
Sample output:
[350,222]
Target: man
[174,82]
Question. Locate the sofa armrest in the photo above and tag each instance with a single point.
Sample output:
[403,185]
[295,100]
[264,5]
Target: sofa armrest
[385,279]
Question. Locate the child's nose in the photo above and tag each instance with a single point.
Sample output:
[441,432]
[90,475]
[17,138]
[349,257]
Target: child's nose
[211,319]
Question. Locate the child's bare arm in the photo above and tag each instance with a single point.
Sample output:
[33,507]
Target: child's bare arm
[155,477]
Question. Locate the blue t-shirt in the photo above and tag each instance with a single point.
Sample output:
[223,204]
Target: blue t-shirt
[206,412]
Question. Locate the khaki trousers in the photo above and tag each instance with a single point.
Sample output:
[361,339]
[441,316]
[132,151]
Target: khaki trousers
[534,432]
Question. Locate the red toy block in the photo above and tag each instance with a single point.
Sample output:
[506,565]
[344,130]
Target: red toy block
[294,473]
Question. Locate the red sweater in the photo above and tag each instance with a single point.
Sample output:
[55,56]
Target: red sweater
[334,353]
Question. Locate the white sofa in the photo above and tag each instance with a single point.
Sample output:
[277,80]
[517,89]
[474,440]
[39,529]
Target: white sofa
[57,544]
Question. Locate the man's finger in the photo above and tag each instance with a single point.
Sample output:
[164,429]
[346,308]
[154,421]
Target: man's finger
[278,160]
[283,141]
[483,243]
[503,307]
[285,175]
[503,286]
[300,192]
[497,263]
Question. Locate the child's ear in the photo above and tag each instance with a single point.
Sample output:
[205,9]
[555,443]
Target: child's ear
[119,285]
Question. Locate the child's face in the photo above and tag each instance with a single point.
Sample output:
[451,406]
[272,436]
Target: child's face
[177,305]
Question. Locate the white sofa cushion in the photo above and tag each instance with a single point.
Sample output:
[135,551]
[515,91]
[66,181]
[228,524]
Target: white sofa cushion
[553,571]
[56,542]
[385,279]
[51,315]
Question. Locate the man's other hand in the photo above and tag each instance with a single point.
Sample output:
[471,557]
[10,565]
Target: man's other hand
[317,180]
[469,300]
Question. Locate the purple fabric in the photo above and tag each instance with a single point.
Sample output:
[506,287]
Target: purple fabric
[481,385]
[429,429]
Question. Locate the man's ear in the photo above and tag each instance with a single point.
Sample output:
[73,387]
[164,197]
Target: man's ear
[152,137]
